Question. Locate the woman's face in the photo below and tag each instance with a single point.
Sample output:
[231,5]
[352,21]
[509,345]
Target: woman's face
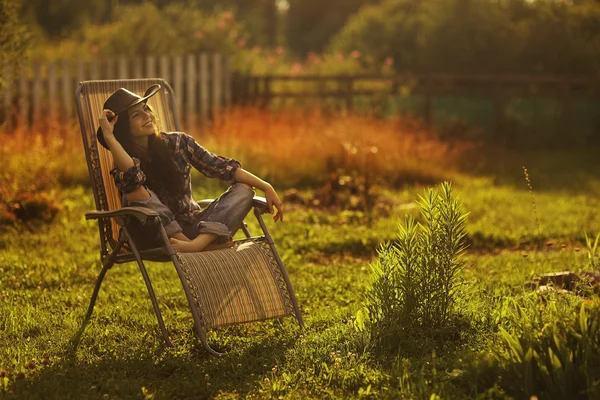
[141,120]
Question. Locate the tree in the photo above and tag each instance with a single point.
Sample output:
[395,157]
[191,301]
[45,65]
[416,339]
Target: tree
[60,18]
[310,24]
[13,34]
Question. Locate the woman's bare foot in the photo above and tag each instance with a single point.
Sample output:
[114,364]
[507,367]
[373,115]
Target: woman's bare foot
[197,245]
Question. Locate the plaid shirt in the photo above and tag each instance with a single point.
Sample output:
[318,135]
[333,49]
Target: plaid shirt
[187,153]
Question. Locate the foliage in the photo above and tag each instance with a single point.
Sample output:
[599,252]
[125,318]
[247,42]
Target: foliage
[61,18]
[309,27]
[13,35]
[415,279]
[554,356]
[473,36]
[141,30]
[311,145]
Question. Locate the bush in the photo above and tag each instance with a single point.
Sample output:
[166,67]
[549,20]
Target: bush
[414,280]
[473,36]
[547,350]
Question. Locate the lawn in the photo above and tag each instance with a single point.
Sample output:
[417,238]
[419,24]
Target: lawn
[48,269]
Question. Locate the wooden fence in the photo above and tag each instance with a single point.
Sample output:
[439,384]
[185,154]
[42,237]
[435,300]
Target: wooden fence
[38,92]
[204,84]
[266,89]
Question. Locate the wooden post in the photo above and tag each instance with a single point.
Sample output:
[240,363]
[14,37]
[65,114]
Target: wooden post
[137,68]
[190,91]
[217,84]
[227,78]
[109,69]
[499,105]
[349,83]
[23,113]
[8,101]
[79,75]
[266,99]
[164,68]
[36,111]
[122,67]
[67,92]
[94,69]
[565,110]
[150,67]
[178,82]
[204,89]
[52,97]
[428,86]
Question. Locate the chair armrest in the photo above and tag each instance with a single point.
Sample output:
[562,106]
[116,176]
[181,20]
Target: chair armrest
[258,202]
[141,213]
[261,204]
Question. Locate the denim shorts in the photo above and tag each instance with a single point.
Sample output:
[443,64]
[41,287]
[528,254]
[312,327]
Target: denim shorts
[223,217]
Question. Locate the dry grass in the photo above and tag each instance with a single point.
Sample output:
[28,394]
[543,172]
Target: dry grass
[300,147]
[289,148]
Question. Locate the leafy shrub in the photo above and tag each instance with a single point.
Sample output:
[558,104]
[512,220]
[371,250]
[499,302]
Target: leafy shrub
[414,280]
[472,36]
[142,30]
[553,357]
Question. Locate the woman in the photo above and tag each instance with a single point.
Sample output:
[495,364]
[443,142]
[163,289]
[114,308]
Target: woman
[153,170]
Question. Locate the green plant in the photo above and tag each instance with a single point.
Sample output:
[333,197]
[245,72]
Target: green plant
[414,280]
[592,248]
[556,357]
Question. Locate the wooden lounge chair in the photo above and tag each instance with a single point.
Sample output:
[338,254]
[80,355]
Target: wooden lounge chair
[223,287]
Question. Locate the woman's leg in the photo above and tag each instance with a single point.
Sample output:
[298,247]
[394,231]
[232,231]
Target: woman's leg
[219,221]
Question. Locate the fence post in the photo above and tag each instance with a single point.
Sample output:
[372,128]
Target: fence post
[178,83]
[565,109]
[499,104]
[204,88]
[23,113]
[51,103]
[8,101]
[67,92]
[190,91]
[427,101]
[122,67]
[227,82]
[164,68]
[217,81]
[266,99]
[36,112]
[150,67]
[348,89]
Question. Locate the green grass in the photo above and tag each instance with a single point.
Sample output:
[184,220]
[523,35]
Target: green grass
[47,273]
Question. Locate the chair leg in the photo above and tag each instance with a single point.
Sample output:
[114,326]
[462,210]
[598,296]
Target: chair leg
[138,258]
[186,288]
[286,278]
[108,262]
[246,231]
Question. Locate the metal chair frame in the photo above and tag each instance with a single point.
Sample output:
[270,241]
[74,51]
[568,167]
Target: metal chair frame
[124,249]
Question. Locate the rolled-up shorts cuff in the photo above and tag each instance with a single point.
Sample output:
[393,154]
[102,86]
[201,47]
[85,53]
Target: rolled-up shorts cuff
[216,228]
[172,228]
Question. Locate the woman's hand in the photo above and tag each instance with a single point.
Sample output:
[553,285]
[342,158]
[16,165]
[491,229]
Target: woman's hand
[107,120]
[274,202]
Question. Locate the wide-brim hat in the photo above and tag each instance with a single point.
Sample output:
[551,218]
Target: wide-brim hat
[122,100]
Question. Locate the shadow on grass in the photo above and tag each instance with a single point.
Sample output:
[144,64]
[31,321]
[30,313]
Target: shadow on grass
[167,373]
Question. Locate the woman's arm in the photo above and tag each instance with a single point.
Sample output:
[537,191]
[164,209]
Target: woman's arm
[122,159]
[243,176]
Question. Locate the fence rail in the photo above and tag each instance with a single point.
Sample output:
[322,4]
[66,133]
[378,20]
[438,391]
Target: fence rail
[37,92]
[263,90]
[204,84]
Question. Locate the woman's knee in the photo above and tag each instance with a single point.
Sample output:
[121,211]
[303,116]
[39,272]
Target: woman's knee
[244,192]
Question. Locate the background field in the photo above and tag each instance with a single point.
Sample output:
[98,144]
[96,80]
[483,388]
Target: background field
[49,261]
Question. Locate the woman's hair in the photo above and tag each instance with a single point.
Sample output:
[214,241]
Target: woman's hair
[158,164]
